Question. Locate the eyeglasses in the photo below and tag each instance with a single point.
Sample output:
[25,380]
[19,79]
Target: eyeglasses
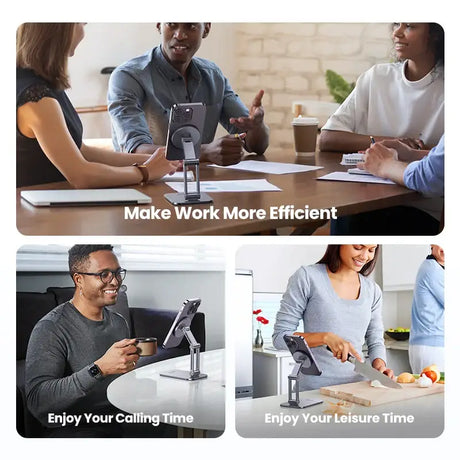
[107,276]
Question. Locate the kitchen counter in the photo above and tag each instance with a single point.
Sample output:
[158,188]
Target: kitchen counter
[390,344]
[264,418]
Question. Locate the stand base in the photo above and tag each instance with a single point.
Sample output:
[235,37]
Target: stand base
[184,375]
[178,199]
[302,403]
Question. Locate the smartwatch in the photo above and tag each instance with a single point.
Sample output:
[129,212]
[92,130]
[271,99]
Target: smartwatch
[95,372]
[144,171]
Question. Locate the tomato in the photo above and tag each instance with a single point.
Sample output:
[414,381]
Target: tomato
[431,375]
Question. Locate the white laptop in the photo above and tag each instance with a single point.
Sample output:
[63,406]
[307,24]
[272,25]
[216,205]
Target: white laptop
[90,197]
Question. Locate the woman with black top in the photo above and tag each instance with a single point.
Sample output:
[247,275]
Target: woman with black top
[49,132]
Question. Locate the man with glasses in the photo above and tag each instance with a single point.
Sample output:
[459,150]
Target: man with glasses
[77,349]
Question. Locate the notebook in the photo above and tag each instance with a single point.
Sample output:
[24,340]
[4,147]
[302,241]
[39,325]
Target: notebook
[352,158]
[91,197]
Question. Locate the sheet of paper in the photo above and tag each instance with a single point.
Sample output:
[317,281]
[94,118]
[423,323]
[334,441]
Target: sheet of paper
[269,167]
[178,176]
[361,172]
[251,185]
[346,177]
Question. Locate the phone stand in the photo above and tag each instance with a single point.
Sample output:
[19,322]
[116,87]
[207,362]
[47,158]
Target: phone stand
[185,138]
[293,391]
[194,372]
[305,363]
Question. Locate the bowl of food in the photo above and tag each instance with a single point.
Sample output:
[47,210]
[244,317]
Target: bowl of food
[398,334]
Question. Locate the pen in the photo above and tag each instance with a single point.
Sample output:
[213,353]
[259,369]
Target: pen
[372,140]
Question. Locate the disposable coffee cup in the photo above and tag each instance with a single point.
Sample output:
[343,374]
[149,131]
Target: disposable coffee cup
[305,133]
[146,346]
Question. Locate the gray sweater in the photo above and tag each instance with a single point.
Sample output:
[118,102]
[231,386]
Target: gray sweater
[310,297]
[61,347]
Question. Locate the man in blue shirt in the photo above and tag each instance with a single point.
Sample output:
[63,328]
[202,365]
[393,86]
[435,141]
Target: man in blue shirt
[143,90]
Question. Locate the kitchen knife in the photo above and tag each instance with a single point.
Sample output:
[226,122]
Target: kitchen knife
[371,373]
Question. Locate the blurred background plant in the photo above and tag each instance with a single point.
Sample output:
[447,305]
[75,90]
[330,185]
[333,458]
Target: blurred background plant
[338,86]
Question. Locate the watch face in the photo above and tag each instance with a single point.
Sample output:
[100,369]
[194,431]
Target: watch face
[94,370]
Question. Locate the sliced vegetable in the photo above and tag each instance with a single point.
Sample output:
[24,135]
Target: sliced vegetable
[431,375]
[424,381]
[405,377]
[432,372]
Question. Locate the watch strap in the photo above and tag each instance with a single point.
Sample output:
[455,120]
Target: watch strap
[144,171]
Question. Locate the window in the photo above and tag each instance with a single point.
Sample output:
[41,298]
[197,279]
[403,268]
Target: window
[161,257]
[269,303]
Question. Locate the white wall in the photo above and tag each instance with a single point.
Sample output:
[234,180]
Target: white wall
[273,265]
[109,45]
[287,60]
[162,290]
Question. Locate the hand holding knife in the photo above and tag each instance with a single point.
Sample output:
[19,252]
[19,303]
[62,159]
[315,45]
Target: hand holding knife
[369,372]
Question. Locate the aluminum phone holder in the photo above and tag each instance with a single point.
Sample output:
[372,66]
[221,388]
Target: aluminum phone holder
[194,373]
[186,137]
[305,363]
[294,400]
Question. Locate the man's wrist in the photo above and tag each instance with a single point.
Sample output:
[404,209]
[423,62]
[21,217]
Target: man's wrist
[101,367]
[394,170]
[95,371]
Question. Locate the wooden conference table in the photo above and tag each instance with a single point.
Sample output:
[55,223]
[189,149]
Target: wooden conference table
[298,190]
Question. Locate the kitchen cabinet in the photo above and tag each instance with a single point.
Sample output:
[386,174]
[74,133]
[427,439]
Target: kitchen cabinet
[398,356]
[400,264]
[270,372]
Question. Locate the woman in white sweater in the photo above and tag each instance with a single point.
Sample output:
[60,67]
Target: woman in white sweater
[403,99]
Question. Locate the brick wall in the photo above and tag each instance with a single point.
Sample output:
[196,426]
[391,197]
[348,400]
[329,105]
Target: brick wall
[289,61]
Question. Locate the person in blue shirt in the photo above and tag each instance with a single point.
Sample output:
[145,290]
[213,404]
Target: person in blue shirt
[143,90]
[426,340]
[418,170]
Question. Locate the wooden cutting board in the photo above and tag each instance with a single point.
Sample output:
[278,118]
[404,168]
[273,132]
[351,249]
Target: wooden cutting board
[362,393]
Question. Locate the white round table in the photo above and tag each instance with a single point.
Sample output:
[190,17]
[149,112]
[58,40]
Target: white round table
[198,404]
